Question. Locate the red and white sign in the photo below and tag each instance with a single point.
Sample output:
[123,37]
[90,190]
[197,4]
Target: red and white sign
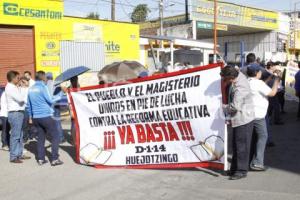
[162,121]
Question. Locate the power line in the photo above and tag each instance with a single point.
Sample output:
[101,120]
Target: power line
[123,9]
[129,3]
[106,1]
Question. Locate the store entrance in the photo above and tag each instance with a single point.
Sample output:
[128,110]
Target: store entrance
[16,50]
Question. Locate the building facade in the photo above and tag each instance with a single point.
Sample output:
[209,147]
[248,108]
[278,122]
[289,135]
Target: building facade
[31,33]
[241,29]
[294,37]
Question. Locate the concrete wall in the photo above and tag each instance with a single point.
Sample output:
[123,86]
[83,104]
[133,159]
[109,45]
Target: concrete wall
[263,44]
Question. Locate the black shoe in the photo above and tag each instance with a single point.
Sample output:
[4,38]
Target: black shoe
[237,176]
[56,162]
[228,173]
[271,144]
[279,123]
[258,168]
[16,161]
[42,162]
[62,141]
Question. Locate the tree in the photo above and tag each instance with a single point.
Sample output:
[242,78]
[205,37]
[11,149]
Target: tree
[93,15]
[140,13]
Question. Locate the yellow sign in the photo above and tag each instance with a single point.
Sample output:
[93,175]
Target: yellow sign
[232,14]
[88,32]
[168,21]
[222,27]
[29,9]
[260,19]
[203,10]
[222,12]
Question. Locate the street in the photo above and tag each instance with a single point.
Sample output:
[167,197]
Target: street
[150,83]
[73,181]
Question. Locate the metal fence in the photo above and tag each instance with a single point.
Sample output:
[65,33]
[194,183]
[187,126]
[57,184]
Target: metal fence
[76,53]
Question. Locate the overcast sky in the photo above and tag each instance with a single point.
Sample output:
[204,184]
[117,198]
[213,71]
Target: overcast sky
[81,8]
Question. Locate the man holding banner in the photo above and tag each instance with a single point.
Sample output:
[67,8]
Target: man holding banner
[240,108]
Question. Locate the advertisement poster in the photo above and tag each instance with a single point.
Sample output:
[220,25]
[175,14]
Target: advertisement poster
[232,14]
[290,83]
[88,32]
[165,121]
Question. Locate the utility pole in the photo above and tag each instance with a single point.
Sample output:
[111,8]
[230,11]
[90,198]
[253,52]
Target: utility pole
[186,10]
[161,16]
[295,27]
[295,7]
[215,30]
[113,10]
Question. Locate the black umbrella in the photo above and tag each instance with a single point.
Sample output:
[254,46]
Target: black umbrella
[120,71]
[70,73]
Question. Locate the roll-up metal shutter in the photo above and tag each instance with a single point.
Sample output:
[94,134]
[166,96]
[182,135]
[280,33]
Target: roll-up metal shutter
[16,50]
[89,54]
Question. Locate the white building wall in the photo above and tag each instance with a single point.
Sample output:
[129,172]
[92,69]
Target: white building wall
[284,23]
[263,44]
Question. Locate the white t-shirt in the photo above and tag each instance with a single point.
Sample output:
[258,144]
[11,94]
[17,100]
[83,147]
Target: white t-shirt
[260,91]
[16,97]
[31,82]
[3,106]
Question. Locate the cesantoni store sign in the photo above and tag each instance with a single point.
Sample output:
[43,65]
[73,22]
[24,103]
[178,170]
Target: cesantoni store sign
[231,14]
[29,9]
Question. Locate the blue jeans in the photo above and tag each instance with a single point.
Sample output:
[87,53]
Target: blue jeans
[5,132]
[15,120]
[46,125]
[260,127]
[58,124]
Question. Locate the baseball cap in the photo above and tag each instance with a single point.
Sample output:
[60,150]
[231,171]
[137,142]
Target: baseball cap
[255,68]
[143,74]
[49,75]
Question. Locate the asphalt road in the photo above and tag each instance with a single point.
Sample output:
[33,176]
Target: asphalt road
[73,181]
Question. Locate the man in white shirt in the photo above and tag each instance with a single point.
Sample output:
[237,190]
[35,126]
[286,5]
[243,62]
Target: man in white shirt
[260,92]
[27,74]
[5,125]
[16,102]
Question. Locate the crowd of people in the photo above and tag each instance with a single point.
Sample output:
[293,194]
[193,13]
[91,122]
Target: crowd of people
[29,111]
[255,101]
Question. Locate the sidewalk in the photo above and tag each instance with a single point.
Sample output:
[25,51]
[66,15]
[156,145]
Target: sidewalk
[73,181]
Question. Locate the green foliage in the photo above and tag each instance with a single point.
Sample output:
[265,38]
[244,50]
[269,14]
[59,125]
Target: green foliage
[140,13]
[93,15]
